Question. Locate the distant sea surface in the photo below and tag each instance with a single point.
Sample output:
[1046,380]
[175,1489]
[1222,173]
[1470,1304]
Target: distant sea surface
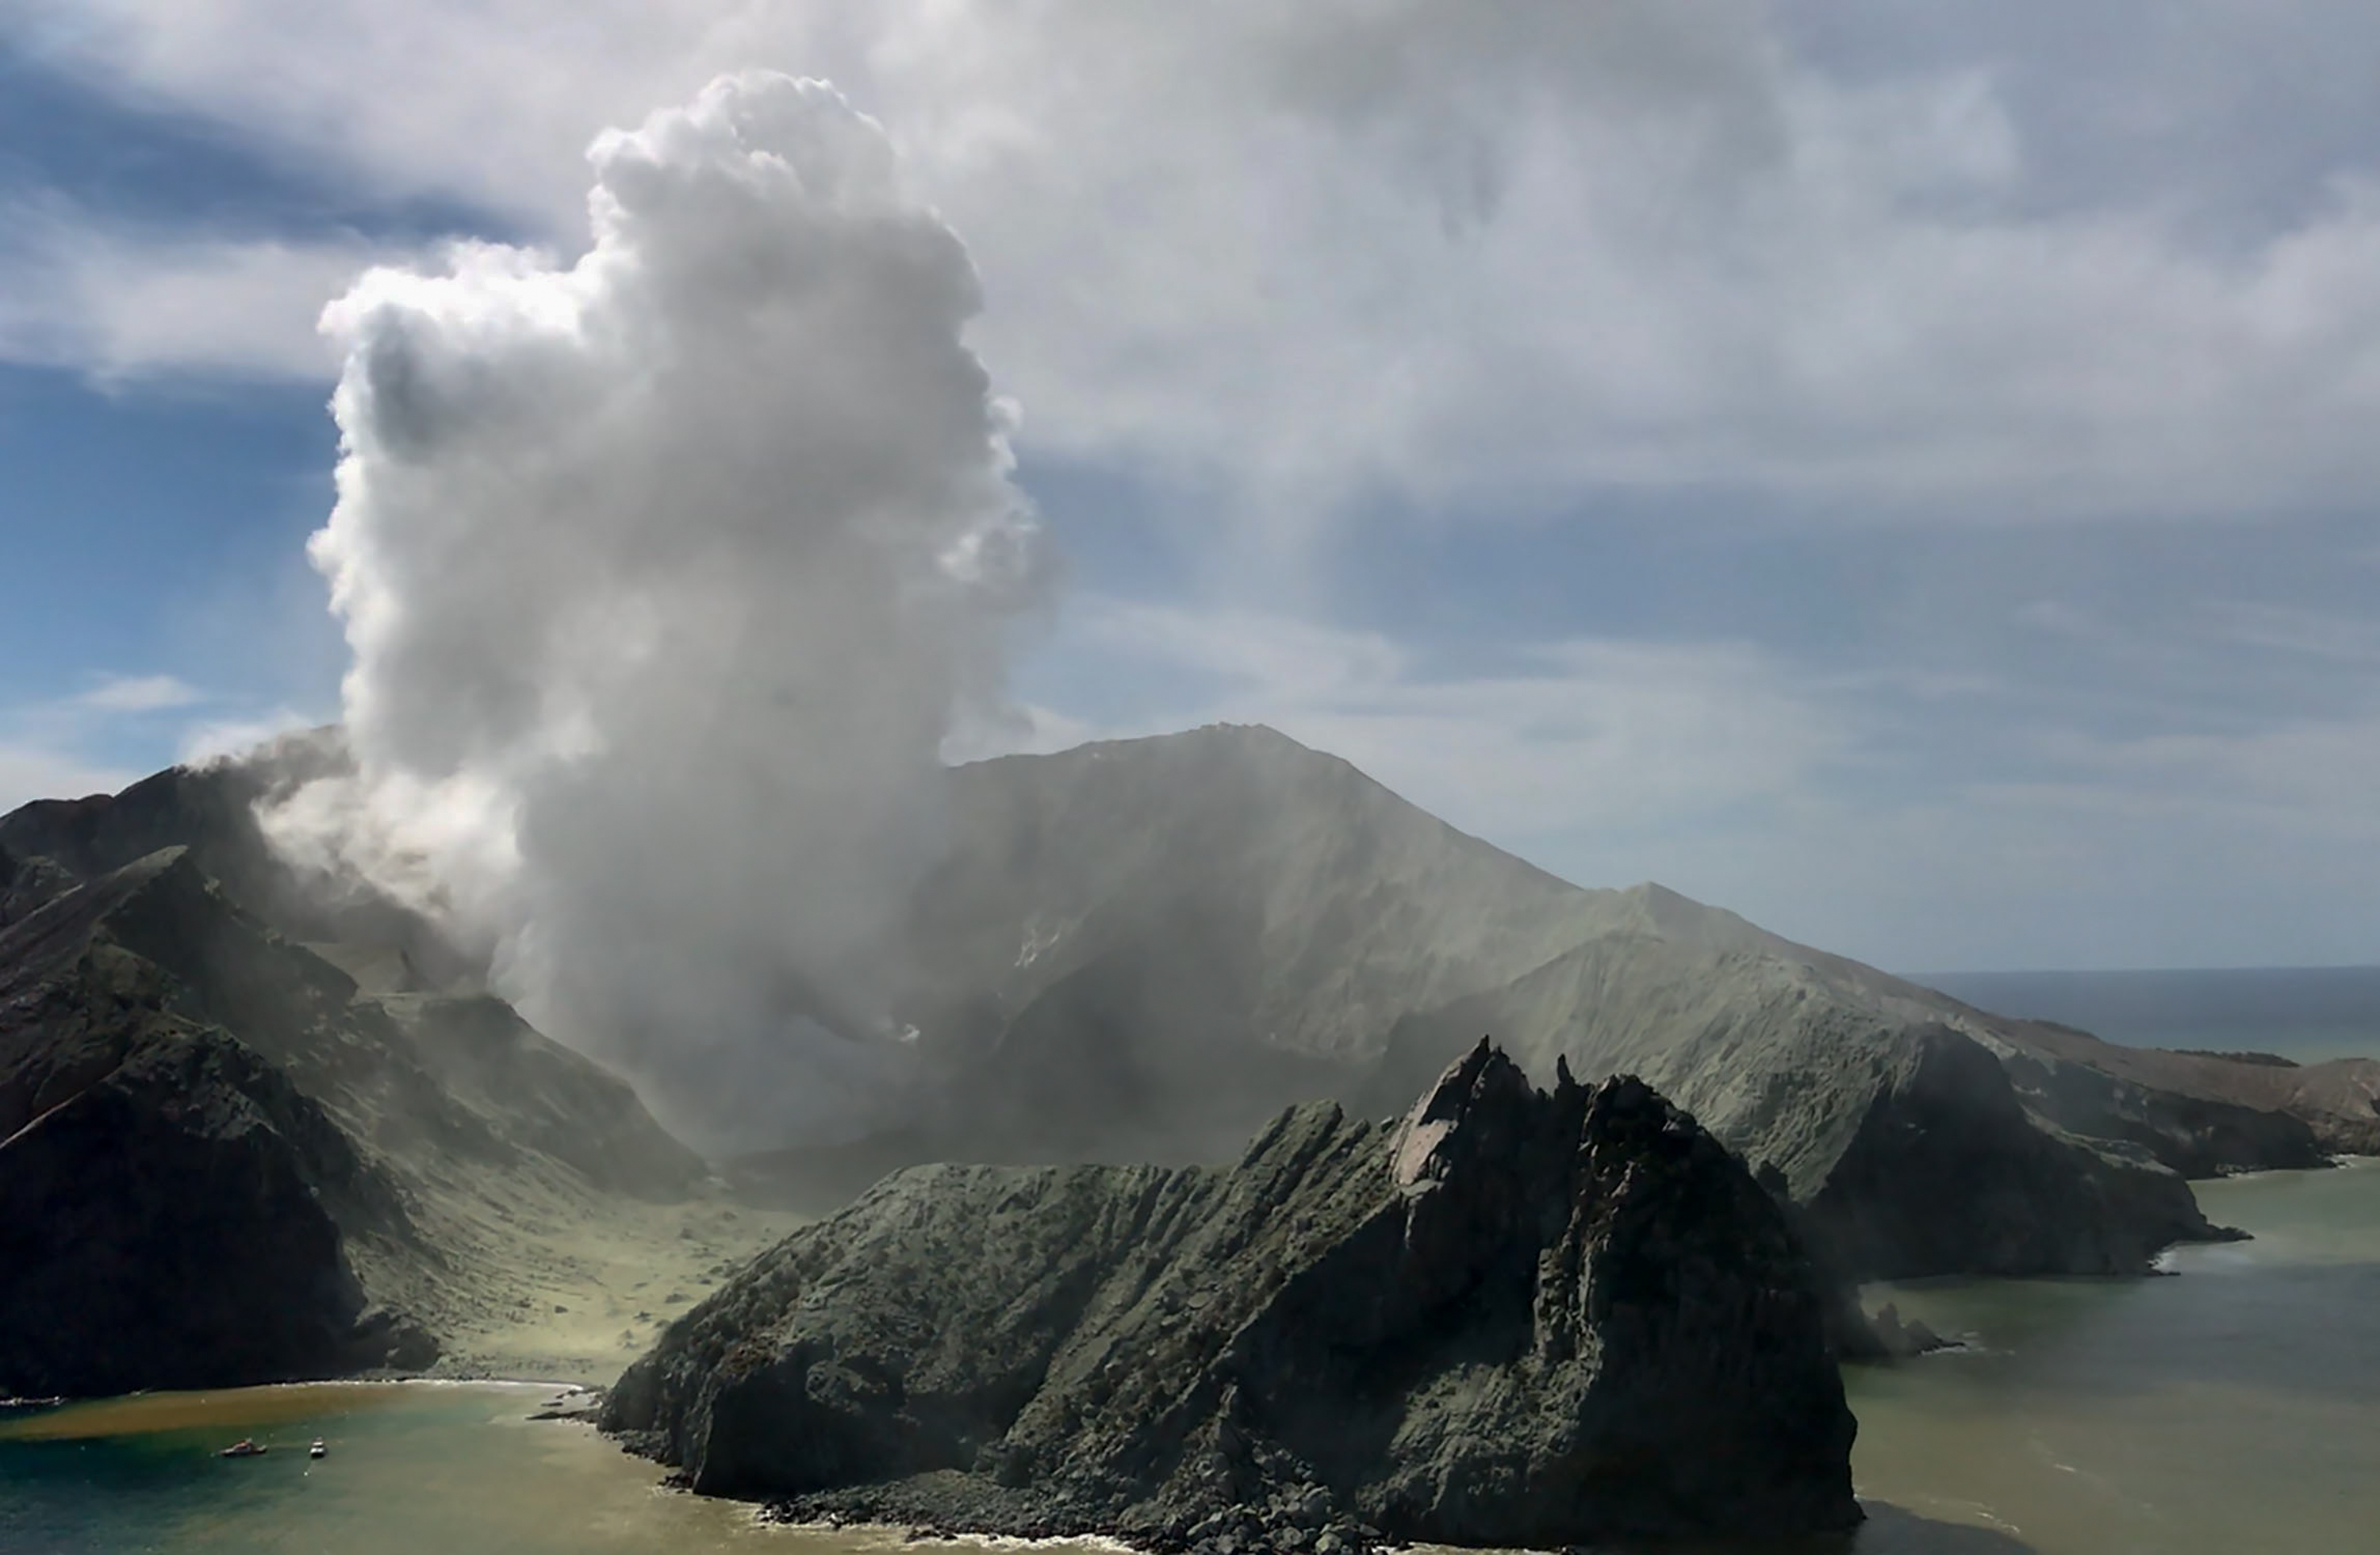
[2305,1013]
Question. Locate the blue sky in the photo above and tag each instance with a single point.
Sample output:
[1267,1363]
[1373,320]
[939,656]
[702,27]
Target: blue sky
[1903,479]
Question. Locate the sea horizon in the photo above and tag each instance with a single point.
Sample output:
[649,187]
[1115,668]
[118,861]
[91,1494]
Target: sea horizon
[2302,1012]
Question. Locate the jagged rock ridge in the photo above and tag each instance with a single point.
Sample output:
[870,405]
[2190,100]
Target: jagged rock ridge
[173,1211]
[221,1160]
[1516,1317]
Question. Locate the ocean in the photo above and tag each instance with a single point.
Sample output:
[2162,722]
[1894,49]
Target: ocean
[2306,1013]
[2229,1408]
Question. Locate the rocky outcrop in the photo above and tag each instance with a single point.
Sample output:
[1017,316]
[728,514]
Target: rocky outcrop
[218,1165]
[2194,1130]
[1513,1318]
[1945,1170]
[2203,1113]
[211,811]
[167,1227]
[174,1213]
[1898,1339]
[26,883]
[1903,1139]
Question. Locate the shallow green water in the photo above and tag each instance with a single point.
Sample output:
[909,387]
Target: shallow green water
[2235,1408]
[422,1469]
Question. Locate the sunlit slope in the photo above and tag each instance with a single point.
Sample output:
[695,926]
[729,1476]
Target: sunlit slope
[1162,939]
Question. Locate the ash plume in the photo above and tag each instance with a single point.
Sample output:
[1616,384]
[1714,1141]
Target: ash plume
[665,573]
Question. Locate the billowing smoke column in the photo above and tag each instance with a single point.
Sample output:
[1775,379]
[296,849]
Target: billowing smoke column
[665,575]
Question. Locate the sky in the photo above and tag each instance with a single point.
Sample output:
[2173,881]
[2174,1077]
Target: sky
[1903,473]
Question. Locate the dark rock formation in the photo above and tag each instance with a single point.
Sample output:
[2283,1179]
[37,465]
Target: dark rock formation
[170,1206]
[417,1068]
[1903,1139]
[2195,1130]
[1898,1338]
[1515,1318]
[1945,1170]
[211,811]
[26,883]
[218,1165]
[2205,1114]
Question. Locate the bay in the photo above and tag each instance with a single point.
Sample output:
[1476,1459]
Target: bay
[2230,1407]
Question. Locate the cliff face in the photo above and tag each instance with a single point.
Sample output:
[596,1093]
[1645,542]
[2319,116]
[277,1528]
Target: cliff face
[1515,1318]
[1905,1139]
[166,1227]
[221,1164]
[174,1213]
[2202,1113]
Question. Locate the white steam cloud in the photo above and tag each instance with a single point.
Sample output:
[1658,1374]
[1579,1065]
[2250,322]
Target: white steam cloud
[665,575]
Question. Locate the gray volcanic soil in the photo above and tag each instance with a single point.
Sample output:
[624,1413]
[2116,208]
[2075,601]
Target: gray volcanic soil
[224,1161]
[1514,1318]
[1135,951]
[172,1208]
[1140,949]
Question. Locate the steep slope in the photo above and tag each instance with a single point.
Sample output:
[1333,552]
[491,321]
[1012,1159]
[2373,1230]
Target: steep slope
[174,1213]
[375,1013]
[297,1161]
[1142,948]
[1144,945]
[1514,1318]
[211,810]
[1905,1139]
[1321,906]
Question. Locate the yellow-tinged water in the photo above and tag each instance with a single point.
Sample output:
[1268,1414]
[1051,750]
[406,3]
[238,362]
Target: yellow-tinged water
[416,1468]
[2234,1408]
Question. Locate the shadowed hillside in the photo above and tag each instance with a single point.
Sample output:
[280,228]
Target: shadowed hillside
[226,1160]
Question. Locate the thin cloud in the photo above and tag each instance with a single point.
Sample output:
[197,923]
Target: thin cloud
[214,740]
[121,303]
[1616,737]
[147,693]
[34,771]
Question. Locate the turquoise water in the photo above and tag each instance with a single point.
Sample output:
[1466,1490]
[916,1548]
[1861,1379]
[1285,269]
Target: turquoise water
[2233,1408]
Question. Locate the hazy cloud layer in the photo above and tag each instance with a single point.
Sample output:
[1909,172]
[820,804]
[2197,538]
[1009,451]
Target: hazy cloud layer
[121,302]
[1920,822]
[71,745]
[40,771]
[1312,290]
[665,573]
[1456,250]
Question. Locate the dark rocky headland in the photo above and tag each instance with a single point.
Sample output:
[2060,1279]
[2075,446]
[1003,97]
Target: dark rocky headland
[1514,1316]
[223,1161]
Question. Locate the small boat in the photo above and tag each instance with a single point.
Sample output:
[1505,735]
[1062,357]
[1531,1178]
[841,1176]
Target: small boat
[243,1448]
[320,1450]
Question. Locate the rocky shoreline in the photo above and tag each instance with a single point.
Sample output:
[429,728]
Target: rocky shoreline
[954,1507]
